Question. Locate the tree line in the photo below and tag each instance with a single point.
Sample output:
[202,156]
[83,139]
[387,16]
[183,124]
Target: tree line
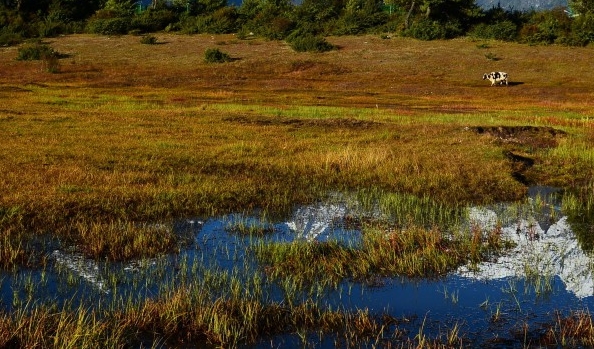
[310,20]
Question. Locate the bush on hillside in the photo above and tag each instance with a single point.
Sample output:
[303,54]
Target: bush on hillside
[545,27]
[148,40]
[309,43]
[103,23]
[277,29]
[359,22]
[35,51]
[504,30]
[153,20]
[214,55]
[222,21]
[9,37]
[425,29]
[582,31]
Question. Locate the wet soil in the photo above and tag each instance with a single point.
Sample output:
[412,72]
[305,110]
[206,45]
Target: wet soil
[535,137]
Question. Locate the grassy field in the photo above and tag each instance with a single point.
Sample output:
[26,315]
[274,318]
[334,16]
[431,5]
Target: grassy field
[125,132]
[128,130]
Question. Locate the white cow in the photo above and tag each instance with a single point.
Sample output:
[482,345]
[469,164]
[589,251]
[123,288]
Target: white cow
[496,77]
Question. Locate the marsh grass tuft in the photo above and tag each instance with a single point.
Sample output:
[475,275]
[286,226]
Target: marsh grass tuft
[249,227]
[117,241]
[574,330]
[12,251]
[16,244]
[384,251]
[50,327]
[192,314]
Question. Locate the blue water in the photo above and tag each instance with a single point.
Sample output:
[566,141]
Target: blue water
[433,306]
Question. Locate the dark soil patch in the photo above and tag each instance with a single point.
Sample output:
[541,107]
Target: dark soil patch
[519,142]
[13,89]
[520,165]
[531,136]
[348,123]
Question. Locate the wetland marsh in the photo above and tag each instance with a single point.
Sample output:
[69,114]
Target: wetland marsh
[294,199]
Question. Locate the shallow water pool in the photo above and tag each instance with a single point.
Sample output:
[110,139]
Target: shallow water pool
[508,301]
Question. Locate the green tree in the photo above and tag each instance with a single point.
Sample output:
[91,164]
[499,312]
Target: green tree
[26,6]
[188,6]
[319,10]
[121,7]
[271,19]
[450,17]
[444,11]
[73,10]
[313,15]
[209,6]
[359,16]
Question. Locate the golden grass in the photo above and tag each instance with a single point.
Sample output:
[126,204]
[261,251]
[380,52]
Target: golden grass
[134,133]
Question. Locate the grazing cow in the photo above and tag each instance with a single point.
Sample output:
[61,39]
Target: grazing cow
[496,77]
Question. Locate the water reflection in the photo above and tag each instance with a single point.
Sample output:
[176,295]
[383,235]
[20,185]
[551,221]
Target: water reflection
[315,222]
[551,252]
[546,271]
[85,268]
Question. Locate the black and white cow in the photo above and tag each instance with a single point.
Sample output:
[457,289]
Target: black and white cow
[496,77]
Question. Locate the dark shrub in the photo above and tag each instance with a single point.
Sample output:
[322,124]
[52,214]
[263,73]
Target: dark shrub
[426,29]
[105,14]
[533,34]
[9,37]
[209,6]
[268,19]
[109,26]
[545,27]
[148,40]
[358,22]
[452,29]
[49,29]
[153,20]
[214,55]
[222,21]
[277,29]
[187,25]
[243,33]
[35,52]
[505,31]
[582,30]
[309,43]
